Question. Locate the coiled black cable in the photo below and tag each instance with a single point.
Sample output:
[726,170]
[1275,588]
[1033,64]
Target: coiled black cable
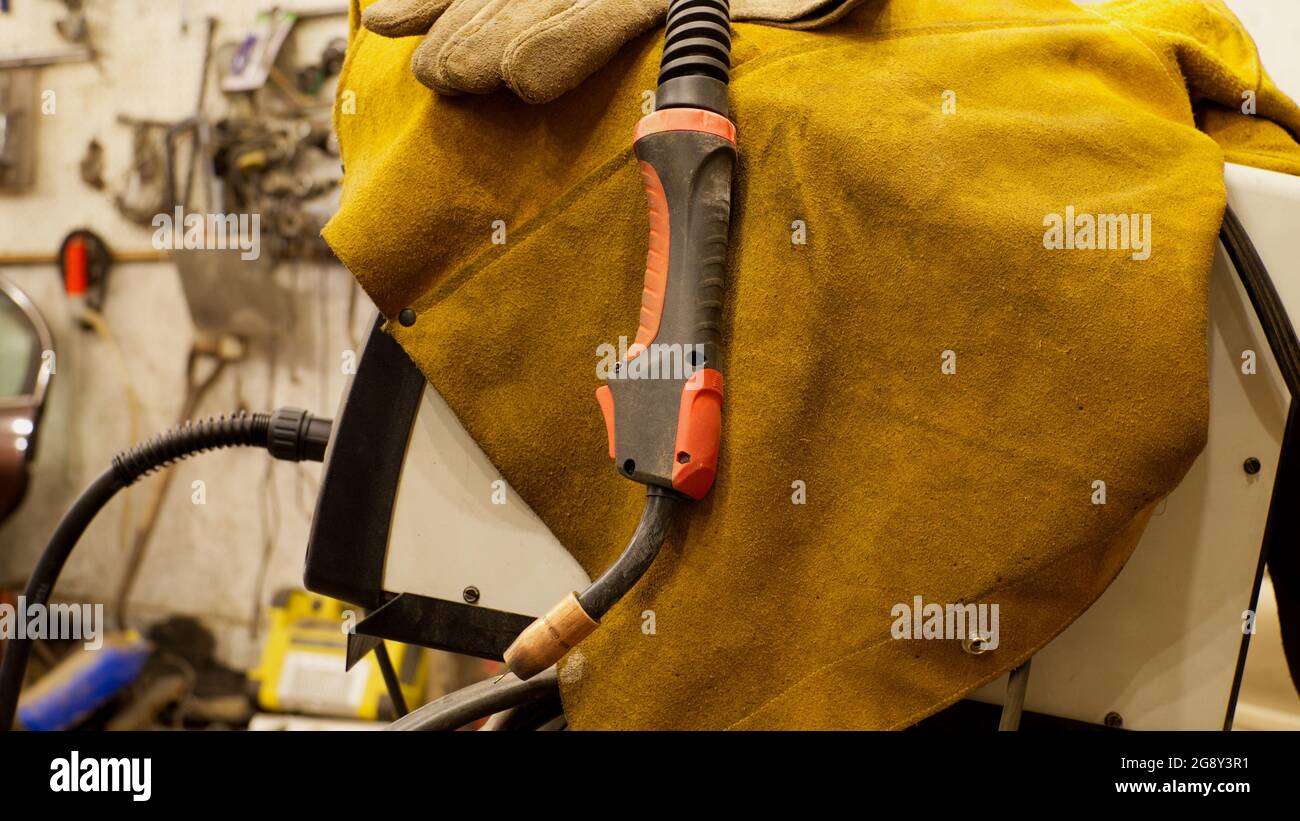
[289,433]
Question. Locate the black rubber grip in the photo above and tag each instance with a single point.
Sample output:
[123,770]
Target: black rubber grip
[693,171]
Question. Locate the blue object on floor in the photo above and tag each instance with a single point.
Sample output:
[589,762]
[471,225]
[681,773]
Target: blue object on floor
[82,683]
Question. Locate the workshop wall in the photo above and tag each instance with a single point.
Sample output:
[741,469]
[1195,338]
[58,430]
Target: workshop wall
[204,559]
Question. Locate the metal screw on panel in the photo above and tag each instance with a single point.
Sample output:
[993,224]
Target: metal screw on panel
[406,317]
[471,594]
[1251,466]
[1113,719]
[975,644]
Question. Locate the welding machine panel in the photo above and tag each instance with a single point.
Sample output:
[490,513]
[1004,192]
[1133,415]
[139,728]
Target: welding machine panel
[415,524]
[1163,647]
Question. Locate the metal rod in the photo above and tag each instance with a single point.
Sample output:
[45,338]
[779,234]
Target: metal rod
[81,54]
[391,681]
[1014,704]
[122,257]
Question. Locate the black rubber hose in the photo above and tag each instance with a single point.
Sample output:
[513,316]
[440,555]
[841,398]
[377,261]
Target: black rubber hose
[640,553]
[456,709]
[66,535]
[242,430]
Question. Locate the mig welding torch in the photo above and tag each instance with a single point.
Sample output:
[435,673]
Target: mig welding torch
[663,422]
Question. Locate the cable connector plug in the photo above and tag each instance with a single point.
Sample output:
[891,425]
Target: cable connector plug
[296,436]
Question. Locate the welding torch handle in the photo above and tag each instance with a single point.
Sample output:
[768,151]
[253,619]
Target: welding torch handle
[663,404]
[664,425]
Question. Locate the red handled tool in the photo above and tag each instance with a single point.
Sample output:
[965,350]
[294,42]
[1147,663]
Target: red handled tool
[663,405]
[84,261]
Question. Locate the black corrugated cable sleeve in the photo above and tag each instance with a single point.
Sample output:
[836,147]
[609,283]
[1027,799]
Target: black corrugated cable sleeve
[696,64]
[290,434]
[189,439]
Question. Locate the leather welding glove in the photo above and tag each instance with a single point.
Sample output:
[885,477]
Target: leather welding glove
[542,48]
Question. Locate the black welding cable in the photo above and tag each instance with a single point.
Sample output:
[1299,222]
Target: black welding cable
[637,557]
[66,535]
[468,704]
[290,434]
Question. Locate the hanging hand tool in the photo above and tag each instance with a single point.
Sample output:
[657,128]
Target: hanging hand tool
[84,260]
[663,405]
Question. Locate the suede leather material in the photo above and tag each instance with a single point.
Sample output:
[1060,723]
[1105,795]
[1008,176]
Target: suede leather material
[804,16]
[925,234]
[404,18]
[541,49]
